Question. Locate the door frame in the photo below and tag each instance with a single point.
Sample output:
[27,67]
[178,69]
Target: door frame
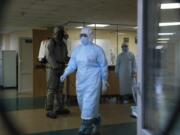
[140,96]
[140,66]
[142,38]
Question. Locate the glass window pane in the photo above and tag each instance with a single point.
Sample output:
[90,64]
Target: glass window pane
[106,37]
[161,64]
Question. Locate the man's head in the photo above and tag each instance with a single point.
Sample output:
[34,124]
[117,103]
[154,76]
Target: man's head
[125,47]
[66,36]
[58,32]
[86,35]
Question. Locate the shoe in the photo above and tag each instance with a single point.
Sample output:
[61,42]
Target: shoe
[86,128]
[51,115]
[96,126]
[62,111]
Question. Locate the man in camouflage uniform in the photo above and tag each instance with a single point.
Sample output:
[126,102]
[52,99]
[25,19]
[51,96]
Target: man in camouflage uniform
[56,55]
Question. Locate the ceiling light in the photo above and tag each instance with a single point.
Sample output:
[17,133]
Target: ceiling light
[98,25]
[79,27]
[159,47]
[165,34]
[170,5]
[169,24]
[163,39]
[162,42]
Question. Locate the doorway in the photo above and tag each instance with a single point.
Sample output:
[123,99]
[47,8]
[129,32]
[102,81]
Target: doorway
[25,66]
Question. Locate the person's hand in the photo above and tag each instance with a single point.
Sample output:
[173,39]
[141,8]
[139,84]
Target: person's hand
[63,77]
[105,86]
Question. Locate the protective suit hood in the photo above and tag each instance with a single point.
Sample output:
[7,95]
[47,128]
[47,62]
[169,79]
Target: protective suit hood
[125,47]
[90,35]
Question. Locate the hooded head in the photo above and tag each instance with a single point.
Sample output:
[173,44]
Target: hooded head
[58,32]
[125,47]
[86,35]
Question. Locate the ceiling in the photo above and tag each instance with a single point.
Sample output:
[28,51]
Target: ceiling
[28,14]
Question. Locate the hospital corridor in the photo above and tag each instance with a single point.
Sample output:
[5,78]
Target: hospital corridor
[89,67]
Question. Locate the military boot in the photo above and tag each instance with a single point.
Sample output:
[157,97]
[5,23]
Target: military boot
[96,126]
[60,109]
[50,101]
[51,115]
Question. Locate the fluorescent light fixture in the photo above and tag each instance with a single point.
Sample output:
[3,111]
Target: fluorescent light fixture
[98,25]
[121,33]
[169,24]
[162,42]
[165,34]
[159,47]
[170,5]
[79,27]
[163,39]
[135,27]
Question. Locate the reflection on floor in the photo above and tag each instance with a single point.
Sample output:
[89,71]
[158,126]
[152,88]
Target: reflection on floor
[28,113]
[118,129]
[161,95]
[13,104]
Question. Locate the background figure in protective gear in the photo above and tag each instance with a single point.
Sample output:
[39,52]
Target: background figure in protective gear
[125,70]
[56,56]
[92,73]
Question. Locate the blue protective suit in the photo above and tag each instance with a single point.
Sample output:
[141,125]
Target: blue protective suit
[125,67]
[90,62]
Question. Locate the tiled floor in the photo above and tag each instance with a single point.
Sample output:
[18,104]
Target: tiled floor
[117,129]
[28,114]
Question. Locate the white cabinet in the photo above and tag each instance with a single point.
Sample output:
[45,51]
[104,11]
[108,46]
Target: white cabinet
[8,69]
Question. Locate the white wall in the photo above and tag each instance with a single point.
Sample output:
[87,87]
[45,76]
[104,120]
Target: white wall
[10,41]
[107,39]
[9,68]
[14,39]
[6,42]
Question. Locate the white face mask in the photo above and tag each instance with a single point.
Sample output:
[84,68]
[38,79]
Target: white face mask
[125,49]
[84,40]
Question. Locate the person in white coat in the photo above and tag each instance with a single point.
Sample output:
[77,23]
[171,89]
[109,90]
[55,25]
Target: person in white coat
[125,70]
[90,62]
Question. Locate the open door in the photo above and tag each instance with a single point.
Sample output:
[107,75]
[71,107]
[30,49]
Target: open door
[39,71]
[158,66]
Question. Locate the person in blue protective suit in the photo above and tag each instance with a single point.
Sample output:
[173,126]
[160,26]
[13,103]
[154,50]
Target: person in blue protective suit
[92,73]
[126,71]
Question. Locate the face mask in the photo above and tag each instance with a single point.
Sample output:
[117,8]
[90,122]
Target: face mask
[84,40]
[125,49]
